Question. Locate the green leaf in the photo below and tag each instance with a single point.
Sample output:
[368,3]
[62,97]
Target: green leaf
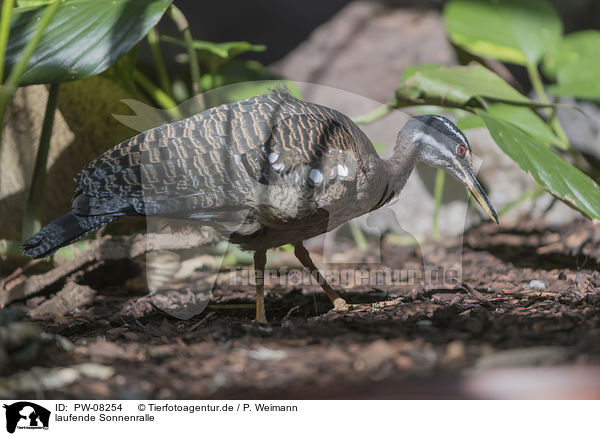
[575,64]
[84,38]
[564,181]
[574,49]
[29,3]
[580,82]
[470,121]
[411,70]
[459,86]
[527,120]
[518,116]
[515,31]
[225,50]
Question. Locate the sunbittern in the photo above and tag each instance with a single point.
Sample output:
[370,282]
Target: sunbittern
[264,172]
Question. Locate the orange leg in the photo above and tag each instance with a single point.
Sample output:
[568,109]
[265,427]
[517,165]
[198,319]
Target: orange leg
[304,257]
[260,260]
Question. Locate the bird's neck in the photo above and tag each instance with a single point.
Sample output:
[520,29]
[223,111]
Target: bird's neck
[402,162]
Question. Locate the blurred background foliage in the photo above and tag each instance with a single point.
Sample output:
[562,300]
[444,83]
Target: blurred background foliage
[87,52]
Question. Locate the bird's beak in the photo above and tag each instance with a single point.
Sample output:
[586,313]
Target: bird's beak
[479,194]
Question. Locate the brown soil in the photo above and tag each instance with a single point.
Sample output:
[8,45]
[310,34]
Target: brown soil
[480,340]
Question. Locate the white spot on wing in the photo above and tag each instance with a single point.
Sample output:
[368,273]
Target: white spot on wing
[278,166]
[342,170]
[273,157]
[316,176]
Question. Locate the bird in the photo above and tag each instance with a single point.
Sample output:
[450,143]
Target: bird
[264,172]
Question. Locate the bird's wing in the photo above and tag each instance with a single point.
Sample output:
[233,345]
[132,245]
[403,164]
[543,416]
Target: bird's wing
[215,159]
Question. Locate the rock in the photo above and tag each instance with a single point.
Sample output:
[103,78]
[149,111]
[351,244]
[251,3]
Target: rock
[455,352]
[365,47]
[533,356]
[538,284]
[95,370]
[109,350]
[267,354]
[373,356]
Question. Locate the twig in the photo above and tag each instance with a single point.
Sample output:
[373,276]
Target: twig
[292,310]
[202,321]
[16,273]
[234,306]
[475,293]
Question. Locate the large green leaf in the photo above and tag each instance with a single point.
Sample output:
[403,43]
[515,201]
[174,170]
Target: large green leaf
[551,171]
[458,86]
[516,31]
[84,38]
[575,64]
[518,116]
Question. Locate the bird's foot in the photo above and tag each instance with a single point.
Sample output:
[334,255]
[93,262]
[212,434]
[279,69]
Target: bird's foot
[340,305]
[260,319]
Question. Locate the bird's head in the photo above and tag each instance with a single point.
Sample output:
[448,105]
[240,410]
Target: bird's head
[440,144]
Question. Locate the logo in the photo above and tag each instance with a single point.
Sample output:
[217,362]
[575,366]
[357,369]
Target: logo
[26,415]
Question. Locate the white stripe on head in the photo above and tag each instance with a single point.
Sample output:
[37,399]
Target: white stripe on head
[451,127]
[430,140]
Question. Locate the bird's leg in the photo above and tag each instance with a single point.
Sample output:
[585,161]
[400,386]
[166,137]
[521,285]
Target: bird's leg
[260,259]
[304,257]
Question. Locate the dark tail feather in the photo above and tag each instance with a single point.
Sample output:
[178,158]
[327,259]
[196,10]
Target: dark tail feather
[63,231]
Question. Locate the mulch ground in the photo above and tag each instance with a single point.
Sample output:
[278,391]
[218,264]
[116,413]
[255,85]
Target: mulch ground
[524,323]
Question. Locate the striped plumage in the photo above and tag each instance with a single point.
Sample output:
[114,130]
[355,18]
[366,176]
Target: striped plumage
[263,172]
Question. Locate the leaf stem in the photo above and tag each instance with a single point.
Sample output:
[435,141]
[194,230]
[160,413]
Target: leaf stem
[438,193]
[32,221]
[159,62]
[158,95]
[183,26]
[529,195]
[538,87]
[376,114]
[7,6]
[358,235]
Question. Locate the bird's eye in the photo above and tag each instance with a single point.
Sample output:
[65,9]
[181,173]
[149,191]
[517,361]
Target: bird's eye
[461,150]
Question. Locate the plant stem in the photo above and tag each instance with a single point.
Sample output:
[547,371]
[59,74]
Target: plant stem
[183,26]
[159,96]
[358,235]
[10,86]
[529,195]
[10,249]
[438,193]
[7,6]
[538,87]
[159,62]
[32,221]
[377,113]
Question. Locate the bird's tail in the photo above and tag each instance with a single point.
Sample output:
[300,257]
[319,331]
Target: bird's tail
[63,231]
